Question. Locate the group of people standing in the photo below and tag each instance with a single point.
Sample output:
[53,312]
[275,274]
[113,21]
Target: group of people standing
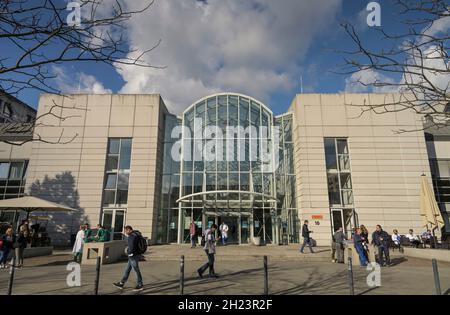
[380,240]
[85,235]
[16,243]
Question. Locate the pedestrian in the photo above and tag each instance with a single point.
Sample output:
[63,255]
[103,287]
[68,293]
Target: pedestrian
[193,234]
[6,244]
[339,239]
[21,244]
[306,237]
[381,240]
[78,246]
[210,250]
[133,259]
[223,228]
[359,241]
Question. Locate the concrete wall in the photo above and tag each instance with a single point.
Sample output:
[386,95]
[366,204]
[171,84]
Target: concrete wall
[72,171]
[386,166]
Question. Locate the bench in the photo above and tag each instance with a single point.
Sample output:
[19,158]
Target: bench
[109,252]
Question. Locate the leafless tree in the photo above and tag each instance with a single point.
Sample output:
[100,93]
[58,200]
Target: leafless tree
[415,64]
[37,35]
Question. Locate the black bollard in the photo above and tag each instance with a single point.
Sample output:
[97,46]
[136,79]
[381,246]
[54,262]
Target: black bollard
[266,277]
[97,275]
[437,282]
[11,276]
[350,276]
[182,275]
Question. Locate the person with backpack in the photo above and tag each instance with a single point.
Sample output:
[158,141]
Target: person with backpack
[6,245]
[209,245]
[137,246]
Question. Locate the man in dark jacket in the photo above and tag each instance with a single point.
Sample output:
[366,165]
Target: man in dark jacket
[133,260]
[381,240]
[306,238]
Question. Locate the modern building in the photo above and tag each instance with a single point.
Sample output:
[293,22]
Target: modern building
[125,159]
[13,110]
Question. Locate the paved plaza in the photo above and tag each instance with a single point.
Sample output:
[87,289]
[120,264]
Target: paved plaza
[241,271]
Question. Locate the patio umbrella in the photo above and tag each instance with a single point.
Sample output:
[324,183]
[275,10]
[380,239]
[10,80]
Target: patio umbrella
[429,209]
[30,204]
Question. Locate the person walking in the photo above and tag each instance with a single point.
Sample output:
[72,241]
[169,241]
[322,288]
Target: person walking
[224,233]
[193,234]
[133,260]
[306,237]
[78,246]
[210,250]
[339,239]
[359,241]
[6,244]
[21,243]
[381,240]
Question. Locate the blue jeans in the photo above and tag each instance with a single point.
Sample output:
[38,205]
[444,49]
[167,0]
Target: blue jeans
[306,241]
[4,256]
[362,255]
[133,263]
[224,240]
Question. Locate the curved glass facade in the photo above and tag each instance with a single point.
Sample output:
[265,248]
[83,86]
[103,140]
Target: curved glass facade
[236,166]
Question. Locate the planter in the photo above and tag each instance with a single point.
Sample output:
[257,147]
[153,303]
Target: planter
[257,241]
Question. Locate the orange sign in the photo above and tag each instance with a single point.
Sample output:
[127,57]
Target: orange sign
[317,217]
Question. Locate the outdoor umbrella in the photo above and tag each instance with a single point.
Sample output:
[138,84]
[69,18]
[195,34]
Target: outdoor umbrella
[429,209]
[30,204]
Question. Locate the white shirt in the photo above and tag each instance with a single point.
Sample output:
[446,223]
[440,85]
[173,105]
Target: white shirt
[396,238]
[412,237]
[224,230]
[79,241]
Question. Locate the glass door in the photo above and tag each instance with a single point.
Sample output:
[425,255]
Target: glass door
[245,230]
[114,221]
[337,220]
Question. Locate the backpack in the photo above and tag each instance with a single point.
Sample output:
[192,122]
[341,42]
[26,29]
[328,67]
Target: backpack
[141,243]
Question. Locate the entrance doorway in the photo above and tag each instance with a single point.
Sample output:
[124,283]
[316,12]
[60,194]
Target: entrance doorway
[233,228]
[345,218]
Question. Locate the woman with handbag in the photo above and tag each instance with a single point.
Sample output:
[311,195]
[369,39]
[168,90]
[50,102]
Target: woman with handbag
[210,250]
[7,243]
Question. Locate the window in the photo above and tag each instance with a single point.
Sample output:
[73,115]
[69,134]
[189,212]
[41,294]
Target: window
[337,157]
[7,110]
[117,175]
[113,221]
[12,179]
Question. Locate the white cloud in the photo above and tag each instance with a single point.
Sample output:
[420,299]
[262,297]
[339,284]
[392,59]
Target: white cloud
[78,83]
[364,81]
[249,46]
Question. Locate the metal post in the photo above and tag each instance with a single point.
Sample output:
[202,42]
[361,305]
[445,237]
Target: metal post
[97,274]
[182,275]
[266,277]
[11,275]
[437,282]
[350,276]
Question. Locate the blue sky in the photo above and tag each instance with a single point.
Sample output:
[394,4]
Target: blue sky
[256,47]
